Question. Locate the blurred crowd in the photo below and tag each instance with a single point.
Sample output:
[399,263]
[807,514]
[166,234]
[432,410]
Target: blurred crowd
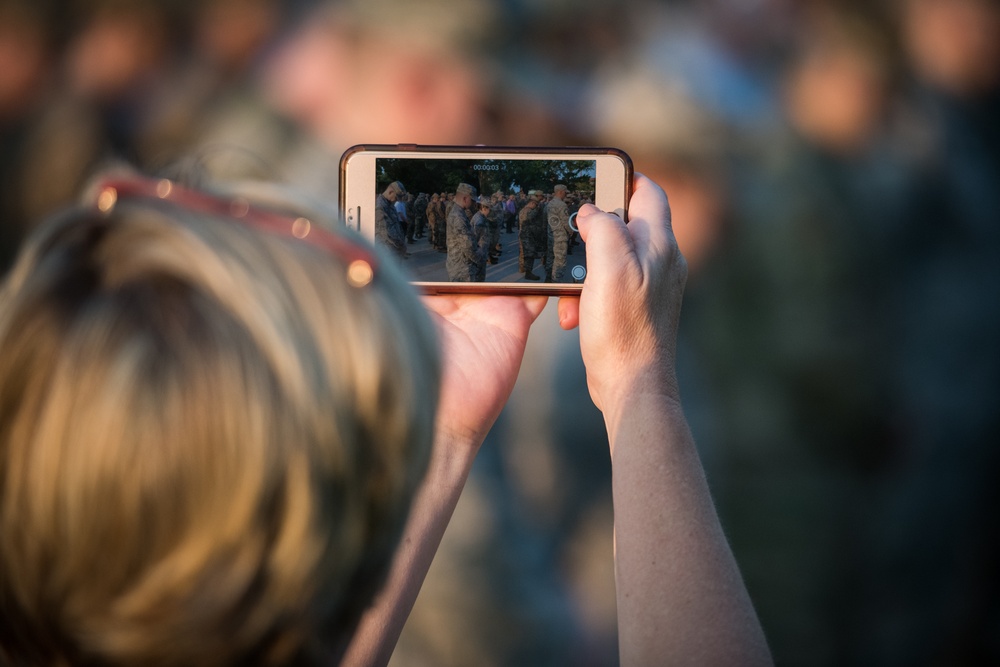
[834,174]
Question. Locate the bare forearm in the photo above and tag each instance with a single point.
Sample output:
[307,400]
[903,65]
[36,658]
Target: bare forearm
[379,630]
[681,598]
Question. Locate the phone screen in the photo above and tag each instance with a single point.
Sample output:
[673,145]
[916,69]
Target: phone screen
[510,212]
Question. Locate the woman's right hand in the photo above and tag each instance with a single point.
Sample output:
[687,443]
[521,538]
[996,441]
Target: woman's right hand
[629,308]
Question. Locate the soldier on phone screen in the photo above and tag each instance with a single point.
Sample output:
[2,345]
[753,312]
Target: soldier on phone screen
[482,230]
[464,255]
[494,219]
[510,213]
[559,232]
[420,215]
[533,239]
[389,229]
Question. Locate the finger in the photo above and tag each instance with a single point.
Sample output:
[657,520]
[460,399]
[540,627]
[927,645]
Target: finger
[650,219]
[512,313]
[569,312]
[439,304]
[649,197]
[508,312]
[609,243]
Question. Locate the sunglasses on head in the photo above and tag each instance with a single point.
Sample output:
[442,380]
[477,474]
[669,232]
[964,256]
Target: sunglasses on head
[361,261]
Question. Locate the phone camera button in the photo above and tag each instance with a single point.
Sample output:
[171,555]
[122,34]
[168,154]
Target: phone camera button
[572,219]
[579,272]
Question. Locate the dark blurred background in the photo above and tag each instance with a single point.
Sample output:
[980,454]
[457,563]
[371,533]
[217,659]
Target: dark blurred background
[834,173]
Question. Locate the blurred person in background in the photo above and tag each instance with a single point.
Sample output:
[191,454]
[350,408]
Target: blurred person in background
[27,60]
[670,135]
[356,71]
[126,80]
[932,579]
[222,45]
[787,331]
[116,57]
[838,331]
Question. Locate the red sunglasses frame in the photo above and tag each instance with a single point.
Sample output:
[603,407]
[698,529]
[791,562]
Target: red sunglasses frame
[361,262]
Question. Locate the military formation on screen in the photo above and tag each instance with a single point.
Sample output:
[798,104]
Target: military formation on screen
[468,226]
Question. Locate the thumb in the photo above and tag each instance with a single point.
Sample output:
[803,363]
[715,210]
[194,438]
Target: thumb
[609,243]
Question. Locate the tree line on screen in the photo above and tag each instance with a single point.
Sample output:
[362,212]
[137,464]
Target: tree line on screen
[492,175]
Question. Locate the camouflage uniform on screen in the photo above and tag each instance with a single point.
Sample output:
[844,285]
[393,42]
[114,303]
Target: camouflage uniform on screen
[420,215]
[435,222]
[559,232]
[519,204]
[510,213]
[447,203]
[442,224]
[464,254]
[482,231]
[410,223]
[494,221]
[389,230]
[533,239]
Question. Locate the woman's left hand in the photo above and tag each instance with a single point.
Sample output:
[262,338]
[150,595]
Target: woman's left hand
[483,340]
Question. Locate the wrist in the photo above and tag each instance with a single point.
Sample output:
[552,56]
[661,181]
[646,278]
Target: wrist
[651,387]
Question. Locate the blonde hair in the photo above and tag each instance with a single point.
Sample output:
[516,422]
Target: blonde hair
[209,441]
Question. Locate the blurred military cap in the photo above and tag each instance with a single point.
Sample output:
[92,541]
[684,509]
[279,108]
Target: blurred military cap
[661,117]
[463,26]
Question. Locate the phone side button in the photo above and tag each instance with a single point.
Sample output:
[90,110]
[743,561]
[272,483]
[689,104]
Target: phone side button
[354,219]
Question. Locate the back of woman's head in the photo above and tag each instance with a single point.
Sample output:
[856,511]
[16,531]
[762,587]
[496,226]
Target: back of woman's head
[209,436]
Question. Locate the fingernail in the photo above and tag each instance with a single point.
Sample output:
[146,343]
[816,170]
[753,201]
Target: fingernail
[587,209]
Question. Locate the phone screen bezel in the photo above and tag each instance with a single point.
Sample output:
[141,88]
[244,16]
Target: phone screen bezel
[613,187]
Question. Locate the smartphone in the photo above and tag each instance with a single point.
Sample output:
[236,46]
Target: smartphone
[513,231]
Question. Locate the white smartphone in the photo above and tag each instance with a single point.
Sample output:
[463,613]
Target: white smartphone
[485,220]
